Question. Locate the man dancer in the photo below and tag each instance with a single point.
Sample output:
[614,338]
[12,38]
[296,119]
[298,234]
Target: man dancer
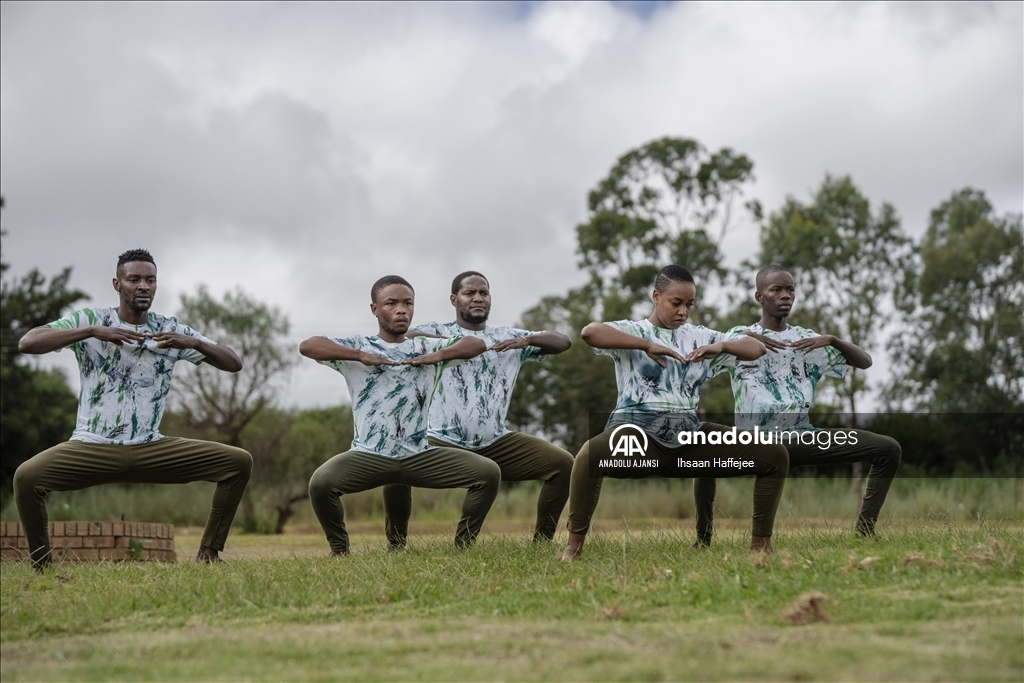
[472,400]
[775,393]
[660,365]
[391,379]
[126,356]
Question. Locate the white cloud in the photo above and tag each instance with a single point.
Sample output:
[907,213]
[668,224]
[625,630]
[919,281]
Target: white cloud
[303,150]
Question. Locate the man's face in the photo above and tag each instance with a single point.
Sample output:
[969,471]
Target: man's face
[777,294]
[473,302]
[393,308]
[136,284]
[673,305]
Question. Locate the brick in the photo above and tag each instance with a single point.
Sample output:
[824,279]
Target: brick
[67,542]
[22,542]
[98,542]
[170,531]
[118,529]
[107,529]
[85,554]
[16,531]
[3,529]
[56,529]
[122,542]
[150,532]
[8,542]
[83,529]
[95,529]
[161,531]
[114,554]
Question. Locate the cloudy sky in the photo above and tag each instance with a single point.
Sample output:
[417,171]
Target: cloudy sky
[301,151]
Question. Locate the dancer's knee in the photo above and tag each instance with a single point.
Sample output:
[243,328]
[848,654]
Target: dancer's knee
[778,457]
[320,484]
[563,464]
[241,461]
[26,477]
[490,474]
[891,451]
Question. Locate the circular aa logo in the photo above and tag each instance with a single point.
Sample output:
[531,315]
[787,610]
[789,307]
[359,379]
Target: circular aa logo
[628,440]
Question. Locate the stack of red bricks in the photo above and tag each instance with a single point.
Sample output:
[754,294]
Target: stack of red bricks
[95,541]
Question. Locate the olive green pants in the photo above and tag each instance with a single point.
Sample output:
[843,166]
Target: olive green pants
[437,468]
[172,460]
[770,466]
[521,458]
[882,452]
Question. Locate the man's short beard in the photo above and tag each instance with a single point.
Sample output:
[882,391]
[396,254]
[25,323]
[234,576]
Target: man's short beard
[137,308]
[392,331]
[474,319]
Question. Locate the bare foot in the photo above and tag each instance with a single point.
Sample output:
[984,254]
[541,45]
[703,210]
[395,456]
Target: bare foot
[207,554]
[339,553]
[574,548]
[761,544]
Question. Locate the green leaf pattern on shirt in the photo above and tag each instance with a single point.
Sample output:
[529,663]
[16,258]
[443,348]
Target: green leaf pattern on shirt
[471,403]
[777,389]
[124,388]
[390,403]
[662,401]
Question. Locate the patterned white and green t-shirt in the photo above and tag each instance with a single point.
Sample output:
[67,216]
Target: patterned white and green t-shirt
[661,401]
[471,403]
[124,388]
[777,389]
[390,403]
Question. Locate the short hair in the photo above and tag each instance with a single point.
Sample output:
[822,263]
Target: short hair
[771,269]
[135,255]
[457,282]
[670,274]
[386,281]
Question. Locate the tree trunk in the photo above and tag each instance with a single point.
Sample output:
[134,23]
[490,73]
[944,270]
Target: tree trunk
[285,511]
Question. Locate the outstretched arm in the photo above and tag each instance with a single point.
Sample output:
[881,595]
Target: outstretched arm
[464,349]
[322,348]
[46,339]
[550,343]
[602,336]
[744,348]
[855,356]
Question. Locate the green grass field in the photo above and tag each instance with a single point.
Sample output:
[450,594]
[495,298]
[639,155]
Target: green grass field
[927,600]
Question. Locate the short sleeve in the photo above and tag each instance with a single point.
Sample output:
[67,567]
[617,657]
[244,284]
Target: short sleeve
[191,355]
[722,361]
[429,328]
[428,345]
[355,342]
[626,326]
[835,363]
[74,320]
